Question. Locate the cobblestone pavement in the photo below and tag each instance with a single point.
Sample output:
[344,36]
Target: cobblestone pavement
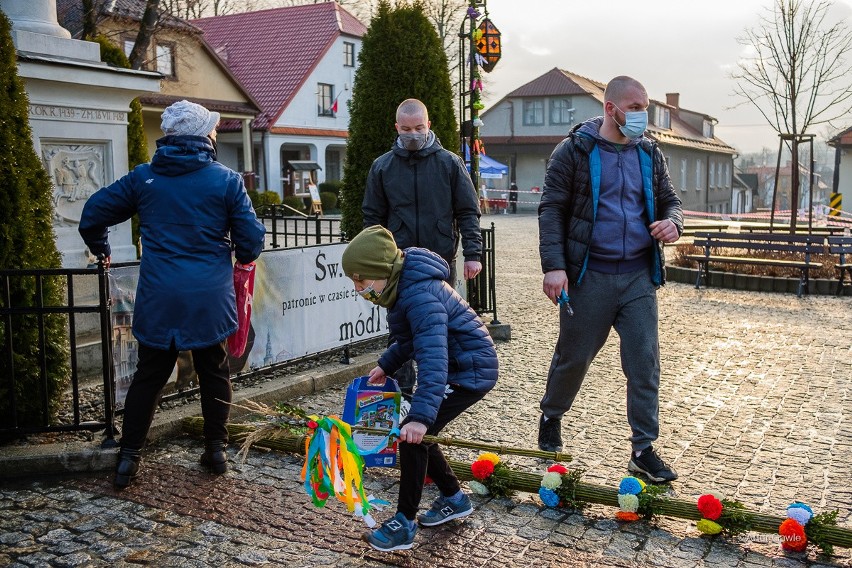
[755,403]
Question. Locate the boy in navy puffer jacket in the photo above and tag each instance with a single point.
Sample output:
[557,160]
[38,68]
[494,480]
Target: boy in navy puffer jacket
[456,362]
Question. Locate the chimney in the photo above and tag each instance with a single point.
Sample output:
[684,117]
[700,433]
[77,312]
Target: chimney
[673,99]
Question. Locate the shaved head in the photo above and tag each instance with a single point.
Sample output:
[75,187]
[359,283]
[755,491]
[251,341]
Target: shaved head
[412,107]
[618,88]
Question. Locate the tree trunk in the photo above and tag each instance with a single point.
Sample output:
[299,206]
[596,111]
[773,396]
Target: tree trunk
[146,32]
[794,186]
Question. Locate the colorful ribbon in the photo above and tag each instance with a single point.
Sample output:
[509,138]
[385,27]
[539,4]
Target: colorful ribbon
[334,466]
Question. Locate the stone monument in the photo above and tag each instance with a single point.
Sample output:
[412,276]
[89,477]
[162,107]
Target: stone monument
[78,114]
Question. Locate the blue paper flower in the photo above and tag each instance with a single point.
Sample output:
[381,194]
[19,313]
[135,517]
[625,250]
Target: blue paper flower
[630,486]
[548,497]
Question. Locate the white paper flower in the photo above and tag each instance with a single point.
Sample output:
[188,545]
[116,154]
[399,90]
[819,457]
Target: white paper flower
[551,480]
[628,503]
[477,487]
[800,515]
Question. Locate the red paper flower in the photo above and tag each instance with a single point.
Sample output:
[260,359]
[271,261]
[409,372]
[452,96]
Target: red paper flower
[558,468]
[793,536]
[482,469]
[625,516]
[709,507]
[312,424]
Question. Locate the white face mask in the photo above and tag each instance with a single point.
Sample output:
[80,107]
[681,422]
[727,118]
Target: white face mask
[369,293]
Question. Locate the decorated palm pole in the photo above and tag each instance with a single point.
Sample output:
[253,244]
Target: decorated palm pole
[484,52]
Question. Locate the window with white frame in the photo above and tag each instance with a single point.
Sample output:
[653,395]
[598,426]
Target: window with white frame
[708,129]
[127,44]
[712,174]
[698,182]
[561,111]
[720,182]
[348,54]
[325,99]
[165,59]
[662,117]
[683,166]
[534,112]
[727,175]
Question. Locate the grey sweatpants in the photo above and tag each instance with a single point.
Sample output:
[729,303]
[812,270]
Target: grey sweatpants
[627,302]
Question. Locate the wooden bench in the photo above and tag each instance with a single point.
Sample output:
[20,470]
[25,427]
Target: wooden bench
[841,246]
[730,248]
[800,229]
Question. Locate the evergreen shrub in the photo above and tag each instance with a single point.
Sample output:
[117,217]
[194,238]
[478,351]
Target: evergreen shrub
[27,241]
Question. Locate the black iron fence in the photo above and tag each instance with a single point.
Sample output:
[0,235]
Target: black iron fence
[290,231]
[13,422]
[482,290]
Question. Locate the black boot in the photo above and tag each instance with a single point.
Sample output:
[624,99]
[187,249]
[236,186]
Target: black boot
[128,465]
[215,457]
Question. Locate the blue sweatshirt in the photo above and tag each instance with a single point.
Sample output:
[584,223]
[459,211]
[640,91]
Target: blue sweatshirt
[621,240]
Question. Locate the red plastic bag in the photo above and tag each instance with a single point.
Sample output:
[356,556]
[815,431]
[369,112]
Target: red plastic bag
[244,288]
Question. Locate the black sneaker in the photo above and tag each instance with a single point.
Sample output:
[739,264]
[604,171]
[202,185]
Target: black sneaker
[550,434]
[651,465]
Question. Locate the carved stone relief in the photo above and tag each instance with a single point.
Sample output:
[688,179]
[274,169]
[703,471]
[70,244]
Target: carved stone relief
[77,171]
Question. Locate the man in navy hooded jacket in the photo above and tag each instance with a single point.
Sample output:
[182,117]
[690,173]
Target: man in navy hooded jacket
[607,207]
[192,209]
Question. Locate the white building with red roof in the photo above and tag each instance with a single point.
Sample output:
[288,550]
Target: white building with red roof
[298,63]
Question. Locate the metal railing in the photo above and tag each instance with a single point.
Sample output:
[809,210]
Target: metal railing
[12,423]
[482,290]
[289,231]
[482,296]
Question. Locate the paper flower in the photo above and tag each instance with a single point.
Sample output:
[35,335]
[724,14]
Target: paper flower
[481,469]
[707,526]
[792,536]
[626,516]
[548,497]
[709,507]
[493,458]
[800,512]
[628,503]
[472,12]
[493,476]
[630,486]
[477,487]
[551,480]
[558,468]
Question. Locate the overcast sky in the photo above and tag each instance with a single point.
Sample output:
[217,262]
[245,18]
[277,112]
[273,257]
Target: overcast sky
[684,46]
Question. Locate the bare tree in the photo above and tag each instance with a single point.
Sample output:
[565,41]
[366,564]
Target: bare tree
[147,28]
[799,75]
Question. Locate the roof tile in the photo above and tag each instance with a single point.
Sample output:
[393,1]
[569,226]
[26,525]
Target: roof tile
[272,51]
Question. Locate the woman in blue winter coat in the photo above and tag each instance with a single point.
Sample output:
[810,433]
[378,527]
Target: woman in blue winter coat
[456,364]
[192,212]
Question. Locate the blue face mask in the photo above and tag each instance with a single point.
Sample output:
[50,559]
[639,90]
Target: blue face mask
[635,123]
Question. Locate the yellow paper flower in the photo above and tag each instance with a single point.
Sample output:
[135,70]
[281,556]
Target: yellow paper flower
[493,458]
[707,526]
[551,480]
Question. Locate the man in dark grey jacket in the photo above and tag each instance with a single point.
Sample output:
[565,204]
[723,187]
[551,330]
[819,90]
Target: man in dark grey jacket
[423,194]
[607,206]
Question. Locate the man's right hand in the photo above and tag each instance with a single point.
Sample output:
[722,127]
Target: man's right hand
[554,282]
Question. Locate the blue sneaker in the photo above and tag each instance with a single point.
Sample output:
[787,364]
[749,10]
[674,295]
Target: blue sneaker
[444,510]
[395,534]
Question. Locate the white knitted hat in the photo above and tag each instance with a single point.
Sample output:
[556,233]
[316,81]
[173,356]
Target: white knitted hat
[184,118]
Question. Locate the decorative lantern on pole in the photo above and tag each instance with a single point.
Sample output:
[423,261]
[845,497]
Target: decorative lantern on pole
[484,53]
